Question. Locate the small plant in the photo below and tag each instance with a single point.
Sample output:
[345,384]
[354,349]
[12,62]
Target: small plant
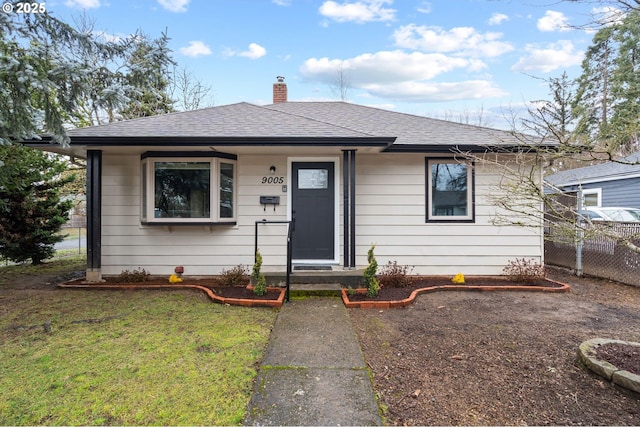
[524,271]
[237,276]
[369,276]
[139,275]
[260,288]
[458,279]
[351,292]
[393,275]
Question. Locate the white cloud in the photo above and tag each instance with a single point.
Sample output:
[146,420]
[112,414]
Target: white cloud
[174,5]
[403,76]
[553,21]
[255,51]
[195,48]
[424,7]
[498,18]
[112,38]
[464,40]
[607,15]
[282,2]
[384,67]
[83,4]
[360,11]
[554,56]
[437,92]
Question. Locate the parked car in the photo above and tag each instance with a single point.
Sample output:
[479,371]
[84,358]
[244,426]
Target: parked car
[612,214]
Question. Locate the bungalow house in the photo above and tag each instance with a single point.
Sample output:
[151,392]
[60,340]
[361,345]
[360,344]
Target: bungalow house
[610,184]
[193,188]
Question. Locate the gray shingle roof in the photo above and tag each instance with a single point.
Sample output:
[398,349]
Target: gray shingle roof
[325,120]
[601,172]
[235,120]
[407,128]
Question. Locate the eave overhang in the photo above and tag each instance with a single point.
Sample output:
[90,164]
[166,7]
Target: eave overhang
[464,148]
[275,141]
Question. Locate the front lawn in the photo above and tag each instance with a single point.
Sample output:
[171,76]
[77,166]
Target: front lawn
[76,357]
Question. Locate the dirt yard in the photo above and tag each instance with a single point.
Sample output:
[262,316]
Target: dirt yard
[500,358]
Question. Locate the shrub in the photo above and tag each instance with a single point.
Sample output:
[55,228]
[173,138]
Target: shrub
[524,271]
[138,275]
[237,276]
[369,276]
[393,275]
[260,287]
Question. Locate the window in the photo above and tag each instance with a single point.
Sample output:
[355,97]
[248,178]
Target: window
[450,186]
[592,197]
[188,188]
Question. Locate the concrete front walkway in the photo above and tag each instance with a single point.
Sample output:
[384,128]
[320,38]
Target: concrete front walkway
[313,372]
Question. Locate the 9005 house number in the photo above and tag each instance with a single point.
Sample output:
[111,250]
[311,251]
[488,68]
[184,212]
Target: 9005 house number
[273,179]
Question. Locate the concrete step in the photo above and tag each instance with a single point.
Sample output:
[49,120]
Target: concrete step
[344,278]
[315,289]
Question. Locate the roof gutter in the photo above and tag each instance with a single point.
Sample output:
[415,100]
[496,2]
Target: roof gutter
[170,141]
[465,148]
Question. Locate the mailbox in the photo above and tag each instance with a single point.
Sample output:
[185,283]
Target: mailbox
[269,200]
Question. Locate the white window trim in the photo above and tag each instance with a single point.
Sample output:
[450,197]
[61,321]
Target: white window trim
[470,217]
[214,186]
[596,191]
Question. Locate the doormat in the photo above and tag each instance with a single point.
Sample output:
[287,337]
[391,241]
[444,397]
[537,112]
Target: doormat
[312,267]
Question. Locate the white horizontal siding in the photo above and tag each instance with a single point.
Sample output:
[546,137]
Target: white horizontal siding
[390,197]
[202,250]
[391,214]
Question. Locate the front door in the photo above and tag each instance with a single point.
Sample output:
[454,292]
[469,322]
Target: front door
[313,209]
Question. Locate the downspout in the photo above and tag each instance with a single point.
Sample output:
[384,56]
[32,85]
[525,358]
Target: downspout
[349,208]
[94,216]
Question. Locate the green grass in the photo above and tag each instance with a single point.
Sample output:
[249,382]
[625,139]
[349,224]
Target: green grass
[126,357]
[73,233]
[63,262]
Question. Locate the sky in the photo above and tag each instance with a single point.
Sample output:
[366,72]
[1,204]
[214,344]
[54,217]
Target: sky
[449,59]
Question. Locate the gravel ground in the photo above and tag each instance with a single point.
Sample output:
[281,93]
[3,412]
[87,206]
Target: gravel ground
[500,358]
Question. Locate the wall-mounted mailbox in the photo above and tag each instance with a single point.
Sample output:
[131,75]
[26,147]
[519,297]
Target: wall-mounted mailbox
[270,200]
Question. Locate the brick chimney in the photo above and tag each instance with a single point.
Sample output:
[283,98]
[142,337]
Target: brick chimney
[279,91]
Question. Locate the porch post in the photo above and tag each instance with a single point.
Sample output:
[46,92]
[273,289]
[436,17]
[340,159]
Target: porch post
[94,215]
[349,207]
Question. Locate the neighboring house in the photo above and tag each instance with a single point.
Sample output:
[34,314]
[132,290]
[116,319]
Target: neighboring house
[187,189]
[610,184]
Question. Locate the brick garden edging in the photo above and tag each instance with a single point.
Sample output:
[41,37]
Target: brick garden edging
[245,302]
[409,300]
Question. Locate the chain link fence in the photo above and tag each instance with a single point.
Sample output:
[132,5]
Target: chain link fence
[594,248]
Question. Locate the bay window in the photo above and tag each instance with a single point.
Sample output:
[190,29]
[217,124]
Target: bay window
[188,188]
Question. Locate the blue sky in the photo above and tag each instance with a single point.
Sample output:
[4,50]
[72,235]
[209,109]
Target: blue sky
[439,58]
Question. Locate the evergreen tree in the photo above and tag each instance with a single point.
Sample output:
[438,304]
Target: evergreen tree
[40,86]
[593,98]
[624,125]
[32,211]
[52,75]
[608,97]
[148,70]
[553,118]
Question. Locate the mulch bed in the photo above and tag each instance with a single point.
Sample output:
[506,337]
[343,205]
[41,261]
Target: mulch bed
[396,294]
[622,356]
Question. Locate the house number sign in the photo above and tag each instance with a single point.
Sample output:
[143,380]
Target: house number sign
[273,180]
